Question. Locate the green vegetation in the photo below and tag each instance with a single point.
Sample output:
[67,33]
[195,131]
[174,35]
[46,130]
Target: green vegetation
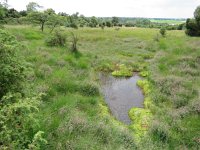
[169,21]
[57,39]
[122,71]
[163,32]
[49,85]
[72,106]
[17,106]
[49,18]
[141,119]
[193,25]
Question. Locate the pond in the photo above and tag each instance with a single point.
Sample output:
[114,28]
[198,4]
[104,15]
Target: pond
[121,94]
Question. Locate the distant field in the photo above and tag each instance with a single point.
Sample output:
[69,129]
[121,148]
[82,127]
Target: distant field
[168,21]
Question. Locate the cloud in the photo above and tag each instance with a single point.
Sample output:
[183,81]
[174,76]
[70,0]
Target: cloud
[125,8]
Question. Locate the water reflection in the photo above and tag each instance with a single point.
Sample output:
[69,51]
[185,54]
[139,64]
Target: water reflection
[121,94]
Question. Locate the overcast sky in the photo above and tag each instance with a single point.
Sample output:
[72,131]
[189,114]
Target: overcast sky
[119,8]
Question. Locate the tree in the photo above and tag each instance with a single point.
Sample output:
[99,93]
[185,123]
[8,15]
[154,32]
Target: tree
[108,24]
[3,10]
[2,13]
[50,11]
[63,14]
[83,21]
[197,14]
[102,25]
[23,13]
[38,18]
[129,24]
[93,22]
[72,20]
[4,3]
[32,6]
[192,28]
[193,25]
[55,20]
[12,13]
[115,21]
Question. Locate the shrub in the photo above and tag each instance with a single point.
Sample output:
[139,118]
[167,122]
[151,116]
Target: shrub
[73,25]
[181,26]
[192,28]
[74,48]
[89,90]
[102,25]
[108,24]
[18,125]
[57,39]
[129,24]
[17,122]
[12,68]
[163,32]
[38,141]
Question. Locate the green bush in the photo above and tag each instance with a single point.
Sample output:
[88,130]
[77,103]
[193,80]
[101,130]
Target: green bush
[17,123]
[192,28]
[12,68]
[193,25]
[163,32]
[89,90]
[57,39]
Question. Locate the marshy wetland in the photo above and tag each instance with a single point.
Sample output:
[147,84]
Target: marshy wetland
[77,104]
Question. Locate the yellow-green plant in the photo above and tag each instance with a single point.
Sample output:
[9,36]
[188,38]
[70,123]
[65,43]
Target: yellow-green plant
[123,71]
[144,84]
[144,73]
[140,121]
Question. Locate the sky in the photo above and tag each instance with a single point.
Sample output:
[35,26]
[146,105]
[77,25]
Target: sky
[119,8]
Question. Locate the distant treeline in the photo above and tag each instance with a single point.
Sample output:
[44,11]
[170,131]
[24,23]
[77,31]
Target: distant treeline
[49,17]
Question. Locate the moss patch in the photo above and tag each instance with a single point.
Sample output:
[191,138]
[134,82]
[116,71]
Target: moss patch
[140,121]
[144,73]
[141,117]
[122,71]
[144,85]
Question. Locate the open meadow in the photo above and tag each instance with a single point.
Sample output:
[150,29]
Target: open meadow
[73,114]
[168,21]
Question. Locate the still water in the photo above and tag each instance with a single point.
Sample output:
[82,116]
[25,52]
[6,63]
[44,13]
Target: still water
[121,94]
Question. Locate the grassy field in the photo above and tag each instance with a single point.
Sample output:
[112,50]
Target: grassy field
[176,22]
[73,114]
